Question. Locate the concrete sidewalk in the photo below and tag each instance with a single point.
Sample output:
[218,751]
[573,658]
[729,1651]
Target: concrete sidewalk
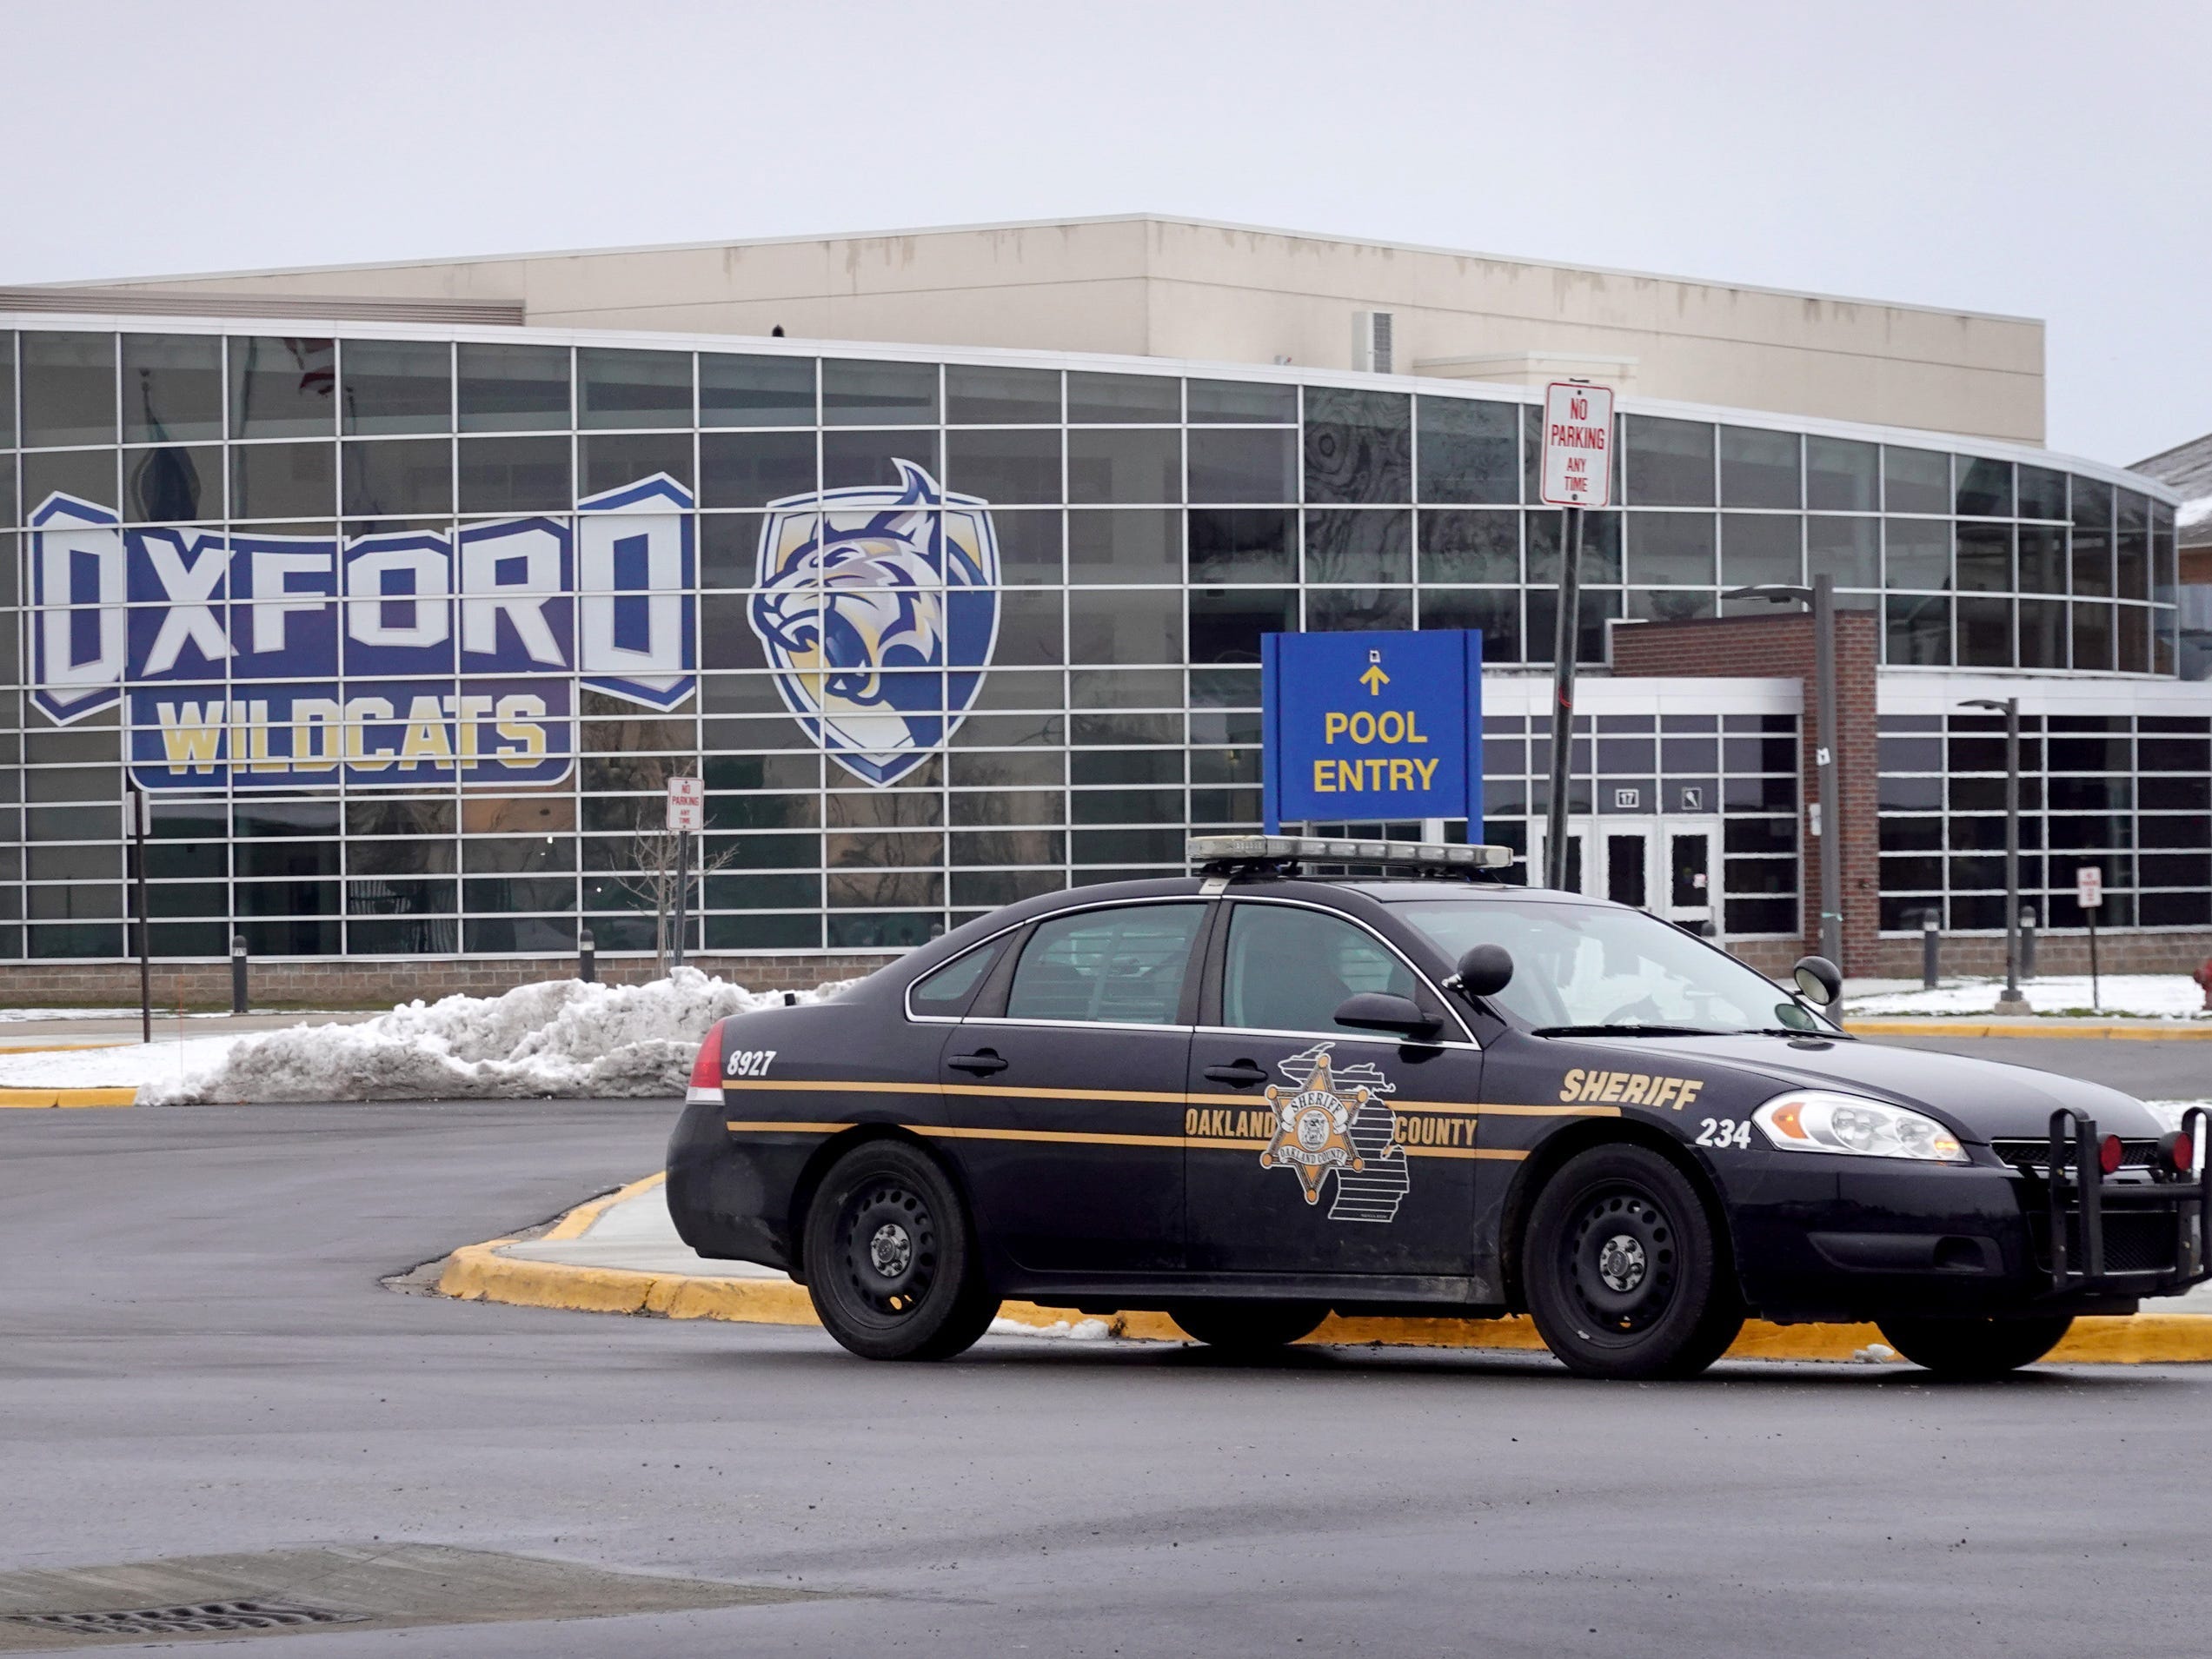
[619,1254]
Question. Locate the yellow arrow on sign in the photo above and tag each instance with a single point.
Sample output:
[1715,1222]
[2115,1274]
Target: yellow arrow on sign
[1374,679]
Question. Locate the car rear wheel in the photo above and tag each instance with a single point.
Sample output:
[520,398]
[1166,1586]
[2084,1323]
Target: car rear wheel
[1974,1349]
[1624,1274]
[1248,1327]
[891,1260]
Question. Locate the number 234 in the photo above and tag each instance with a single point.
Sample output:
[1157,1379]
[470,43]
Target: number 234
[1724,1132]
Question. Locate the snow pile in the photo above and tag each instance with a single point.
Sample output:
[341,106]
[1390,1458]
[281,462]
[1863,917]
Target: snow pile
[562,1038]
[2146,996]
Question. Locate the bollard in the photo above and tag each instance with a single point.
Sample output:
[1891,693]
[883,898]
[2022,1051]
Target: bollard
[1931,948]
[2027,942]
[586,965]
[238,974]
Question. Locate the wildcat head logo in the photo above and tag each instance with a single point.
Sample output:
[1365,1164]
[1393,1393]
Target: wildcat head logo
[1323,1122]
[879,609]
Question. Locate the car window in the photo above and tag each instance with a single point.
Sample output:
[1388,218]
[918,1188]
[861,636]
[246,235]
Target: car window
[1290,970]
[1121,967]
[948,989]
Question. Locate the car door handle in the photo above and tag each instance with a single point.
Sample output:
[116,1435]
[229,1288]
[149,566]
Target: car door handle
[982,1063]
[1240,1075]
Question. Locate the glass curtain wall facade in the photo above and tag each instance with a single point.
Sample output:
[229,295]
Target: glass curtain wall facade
[1126,533]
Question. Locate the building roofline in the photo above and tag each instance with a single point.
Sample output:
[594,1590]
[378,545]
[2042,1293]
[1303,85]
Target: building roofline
[1276,373]
[1048,224]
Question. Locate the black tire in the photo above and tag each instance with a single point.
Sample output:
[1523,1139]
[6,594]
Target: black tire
[892,1264]
[1973,1350]
[1248,1327]
[1625,1273]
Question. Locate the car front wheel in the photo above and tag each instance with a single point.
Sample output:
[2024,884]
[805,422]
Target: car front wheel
[1973,1350]
[891,1260]
[1624,1275]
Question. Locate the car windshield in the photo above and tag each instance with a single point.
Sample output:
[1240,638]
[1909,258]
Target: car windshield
[1596,968]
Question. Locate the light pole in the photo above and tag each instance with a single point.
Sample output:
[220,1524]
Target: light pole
[1820,598]
[2011,1002]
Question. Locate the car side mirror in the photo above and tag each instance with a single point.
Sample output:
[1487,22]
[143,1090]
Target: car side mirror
[1485,970]
[1379,1011]
[1819,980]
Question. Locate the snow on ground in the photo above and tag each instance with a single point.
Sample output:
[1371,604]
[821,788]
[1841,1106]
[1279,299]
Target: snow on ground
[2149,996]
[560,1038]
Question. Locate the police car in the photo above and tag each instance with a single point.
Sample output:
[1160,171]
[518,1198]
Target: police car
[1252,1096]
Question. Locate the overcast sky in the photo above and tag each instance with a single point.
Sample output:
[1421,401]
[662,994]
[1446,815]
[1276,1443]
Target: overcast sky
[2039,159]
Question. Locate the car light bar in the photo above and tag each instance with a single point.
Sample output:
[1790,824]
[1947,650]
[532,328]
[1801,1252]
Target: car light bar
[1311,849]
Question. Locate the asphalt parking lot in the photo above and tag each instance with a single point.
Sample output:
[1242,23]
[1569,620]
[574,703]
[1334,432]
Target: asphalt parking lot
[198,1357]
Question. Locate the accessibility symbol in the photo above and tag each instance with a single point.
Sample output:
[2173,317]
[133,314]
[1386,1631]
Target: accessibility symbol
[1374,679]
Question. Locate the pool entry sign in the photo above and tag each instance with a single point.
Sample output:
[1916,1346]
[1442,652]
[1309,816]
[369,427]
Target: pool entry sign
[1359,727]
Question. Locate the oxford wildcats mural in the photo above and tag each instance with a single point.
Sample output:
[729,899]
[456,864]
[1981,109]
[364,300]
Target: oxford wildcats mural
[392,660]
[879,610]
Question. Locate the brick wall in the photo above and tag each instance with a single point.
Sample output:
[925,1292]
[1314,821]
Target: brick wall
[1781,648]
[367,982]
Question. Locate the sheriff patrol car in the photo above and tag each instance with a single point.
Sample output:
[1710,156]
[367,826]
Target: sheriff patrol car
[1250,1097]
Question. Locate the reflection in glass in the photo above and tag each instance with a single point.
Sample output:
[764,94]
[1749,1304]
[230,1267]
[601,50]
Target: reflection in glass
[1136,626]
[860,394]
[69,388]
[1468,450]
[397,385]
[400,479]
[1761,547]
[1601,547]
[1670,547]
[283,480]
[1226,545]
[1842,476]
[1919,553]
[1916,481]
[1985,557]
[2042,493]
[2043,558]
[172,387]
[1496,611]
[1759,467]
[88,475]
[1984,488]
[1128,545]
[752,468]
[515,476]
[1125,467]
[741,391]
[619,387]
[1985,633]
[1592,614]
[1227,622]
[2042,633]
[1849,549]
[1029,546]
[1252,465]
[854,459]
[281,387]
[1231,401]
[1669,463]
[1336,610]
[1358,446]
[513,388]
[994,396]
[1918,631]
[1004,466]
[174,485]
[1108,400]
[1472,546]
[609,461]
[1375,546]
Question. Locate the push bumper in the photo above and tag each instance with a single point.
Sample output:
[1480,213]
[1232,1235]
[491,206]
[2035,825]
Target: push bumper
[1858,1239]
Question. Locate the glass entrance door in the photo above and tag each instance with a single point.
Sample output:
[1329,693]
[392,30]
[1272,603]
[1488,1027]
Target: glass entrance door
[1692,873]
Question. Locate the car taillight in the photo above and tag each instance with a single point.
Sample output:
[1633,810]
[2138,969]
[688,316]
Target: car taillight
[706,1070]
[2109,1153]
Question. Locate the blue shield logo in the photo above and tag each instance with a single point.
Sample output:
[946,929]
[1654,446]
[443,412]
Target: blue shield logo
[879,610]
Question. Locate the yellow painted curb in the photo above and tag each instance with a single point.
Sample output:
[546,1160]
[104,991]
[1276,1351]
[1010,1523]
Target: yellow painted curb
[69,1096]
[1940,1026]
[480,1273]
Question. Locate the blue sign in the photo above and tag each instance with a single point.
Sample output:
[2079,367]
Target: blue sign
[277,661]
[1366,727]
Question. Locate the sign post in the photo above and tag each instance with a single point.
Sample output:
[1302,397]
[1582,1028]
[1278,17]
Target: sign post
[687,817]
[1360,726]
[141,816]
[2088,893]
[1577,475]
